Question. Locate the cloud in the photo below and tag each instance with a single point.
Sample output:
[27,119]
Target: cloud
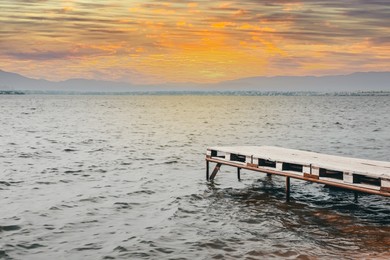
[192,34]
[50,55]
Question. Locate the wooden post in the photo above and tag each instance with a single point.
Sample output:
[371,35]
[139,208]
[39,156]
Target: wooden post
[207,170]
[287,189]
[239,173]
[215,171]
[269,174]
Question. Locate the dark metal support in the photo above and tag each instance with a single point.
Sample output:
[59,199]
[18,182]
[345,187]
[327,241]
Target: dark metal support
[215,171]
[287,189]
[207,170]
[239,173]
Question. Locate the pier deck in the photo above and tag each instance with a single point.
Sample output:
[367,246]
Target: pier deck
[360,175]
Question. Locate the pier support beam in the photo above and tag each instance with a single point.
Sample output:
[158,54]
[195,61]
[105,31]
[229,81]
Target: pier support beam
[287,189]
[239,173]
[356,196]
[215,171]
[207,170]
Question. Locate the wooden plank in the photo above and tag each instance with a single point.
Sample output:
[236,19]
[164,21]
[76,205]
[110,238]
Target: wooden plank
[310,176]
[385,189]
[377,169]
[385,183]
[252,165]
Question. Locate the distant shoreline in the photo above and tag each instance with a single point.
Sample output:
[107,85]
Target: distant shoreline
[11,92]
[201,93]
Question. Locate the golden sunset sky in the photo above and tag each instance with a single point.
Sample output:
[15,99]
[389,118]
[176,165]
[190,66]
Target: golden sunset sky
[192,41]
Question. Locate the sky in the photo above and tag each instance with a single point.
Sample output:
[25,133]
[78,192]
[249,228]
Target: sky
[149,42]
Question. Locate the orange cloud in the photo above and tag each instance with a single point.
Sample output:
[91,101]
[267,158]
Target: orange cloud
[192,5]
[221,25]
[194,40]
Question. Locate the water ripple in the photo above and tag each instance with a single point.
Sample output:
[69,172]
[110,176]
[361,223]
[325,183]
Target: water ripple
[123,177]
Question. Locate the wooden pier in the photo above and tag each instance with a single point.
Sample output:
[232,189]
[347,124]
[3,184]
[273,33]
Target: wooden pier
[354,174]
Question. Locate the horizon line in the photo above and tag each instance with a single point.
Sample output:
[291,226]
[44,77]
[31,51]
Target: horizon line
[197,83]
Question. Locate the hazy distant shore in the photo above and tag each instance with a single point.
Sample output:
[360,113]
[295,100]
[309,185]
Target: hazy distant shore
[211,93]
[353,83]
[11,92]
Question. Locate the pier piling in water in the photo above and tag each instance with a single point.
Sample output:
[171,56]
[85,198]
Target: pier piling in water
[287,189]
[358,175]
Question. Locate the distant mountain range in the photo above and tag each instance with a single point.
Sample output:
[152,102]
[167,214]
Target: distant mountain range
[359,81]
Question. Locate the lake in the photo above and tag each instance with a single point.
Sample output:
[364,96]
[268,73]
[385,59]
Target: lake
[123,177]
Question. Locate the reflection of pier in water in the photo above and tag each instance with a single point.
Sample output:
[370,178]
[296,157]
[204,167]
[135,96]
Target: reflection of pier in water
[358,175]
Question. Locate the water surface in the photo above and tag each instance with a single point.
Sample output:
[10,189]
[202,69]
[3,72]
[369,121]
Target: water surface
[123,177]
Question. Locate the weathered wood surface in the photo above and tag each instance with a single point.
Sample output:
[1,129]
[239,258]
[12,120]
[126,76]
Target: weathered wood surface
[352,173]
[331,162]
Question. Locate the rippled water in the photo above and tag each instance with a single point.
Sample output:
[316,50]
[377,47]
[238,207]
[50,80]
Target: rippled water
[108,177]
